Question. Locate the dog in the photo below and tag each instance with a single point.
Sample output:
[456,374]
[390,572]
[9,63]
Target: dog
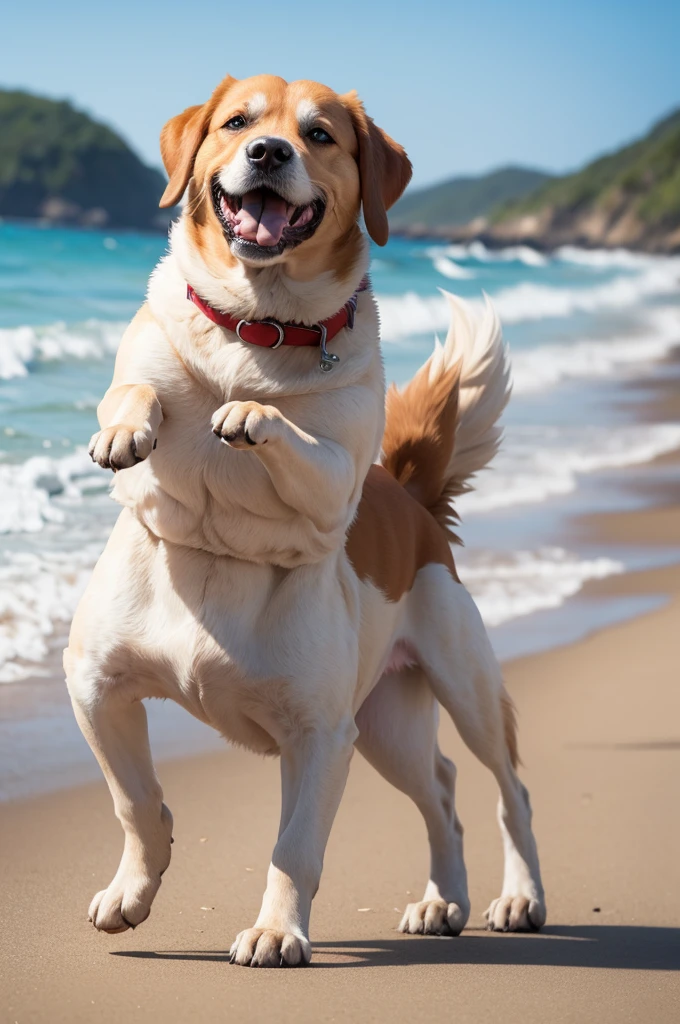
[293,586]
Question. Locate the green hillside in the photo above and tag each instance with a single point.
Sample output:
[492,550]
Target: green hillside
[59,164]
[460,200]
[629,197]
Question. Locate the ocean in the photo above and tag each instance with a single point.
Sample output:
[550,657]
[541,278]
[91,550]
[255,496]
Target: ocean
[580,325]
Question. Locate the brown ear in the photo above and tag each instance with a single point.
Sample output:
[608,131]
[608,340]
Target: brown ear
[384,169]
[180,140]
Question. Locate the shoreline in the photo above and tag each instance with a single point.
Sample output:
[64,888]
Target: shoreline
[467,234]
[599,739]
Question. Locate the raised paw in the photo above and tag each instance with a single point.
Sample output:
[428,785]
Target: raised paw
[243,424]
[515,914]
[127,901]
[261,947]
[433,917]
[120,447]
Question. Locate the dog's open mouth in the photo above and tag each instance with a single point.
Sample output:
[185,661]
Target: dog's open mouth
[263,223]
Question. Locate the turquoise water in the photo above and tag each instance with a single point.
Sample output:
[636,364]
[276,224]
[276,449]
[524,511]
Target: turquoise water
[579,326]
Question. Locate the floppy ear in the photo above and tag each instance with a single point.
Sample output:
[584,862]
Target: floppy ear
[180,140]
[384,169]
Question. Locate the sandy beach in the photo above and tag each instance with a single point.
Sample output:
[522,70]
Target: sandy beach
[600,741]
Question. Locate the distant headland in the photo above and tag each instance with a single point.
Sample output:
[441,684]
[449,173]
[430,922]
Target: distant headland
[58,165]
[628,198]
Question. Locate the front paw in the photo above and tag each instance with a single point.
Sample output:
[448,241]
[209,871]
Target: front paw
[264,947]
[120,446]
[516,914]
[243,425]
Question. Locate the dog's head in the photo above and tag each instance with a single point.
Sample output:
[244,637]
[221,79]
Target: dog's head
[276,170]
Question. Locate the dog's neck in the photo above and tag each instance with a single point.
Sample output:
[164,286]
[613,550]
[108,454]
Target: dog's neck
[255,293]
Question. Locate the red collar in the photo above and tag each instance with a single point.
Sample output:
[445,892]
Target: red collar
[270,333]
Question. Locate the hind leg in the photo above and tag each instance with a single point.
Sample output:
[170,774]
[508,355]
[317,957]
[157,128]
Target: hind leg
[450,637]
[114,725]
[398,735]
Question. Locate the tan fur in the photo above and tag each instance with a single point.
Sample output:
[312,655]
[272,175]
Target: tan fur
[420,430]
[384,169]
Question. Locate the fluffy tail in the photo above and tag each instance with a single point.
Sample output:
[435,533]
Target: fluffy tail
[442,427]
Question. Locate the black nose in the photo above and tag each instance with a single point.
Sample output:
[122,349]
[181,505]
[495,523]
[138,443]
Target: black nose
[268,152]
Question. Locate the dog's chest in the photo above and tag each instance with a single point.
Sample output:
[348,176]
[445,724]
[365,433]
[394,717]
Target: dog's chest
[196,491]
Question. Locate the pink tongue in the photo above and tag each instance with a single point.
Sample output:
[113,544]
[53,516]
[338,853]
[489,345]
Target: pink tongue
[262,218]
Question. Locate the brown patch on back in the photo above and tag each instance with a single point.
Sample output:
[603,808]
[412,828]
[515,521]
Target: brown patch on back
[393,536]
[510,727]
[420,432]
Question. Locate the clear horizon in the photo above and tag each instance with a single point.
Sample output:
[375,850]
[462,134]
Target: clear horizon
[465,90]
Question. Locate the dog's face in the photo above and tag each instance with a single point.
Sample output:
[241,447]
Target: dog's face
[277,171]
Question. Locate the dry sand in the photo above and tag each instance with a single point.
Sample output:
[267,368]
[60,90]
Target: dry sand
[600,737]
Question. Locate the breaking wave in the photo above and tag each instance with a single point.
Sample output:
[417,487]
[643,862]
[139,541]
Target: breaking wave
[528,581]
[20,347]
[533,467]
[36,492]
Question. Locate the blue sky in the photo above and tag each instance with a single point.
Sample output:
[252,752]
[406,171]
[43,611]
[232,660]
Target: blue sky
[464,86]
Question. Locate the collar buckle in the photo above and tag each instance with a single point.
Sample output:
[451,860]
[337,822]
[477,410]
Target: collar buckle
[272,323]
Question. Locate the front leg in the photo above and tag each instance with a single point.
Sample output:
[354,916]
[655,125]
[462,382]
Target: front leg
[130,417]
[314,772]
[313,475]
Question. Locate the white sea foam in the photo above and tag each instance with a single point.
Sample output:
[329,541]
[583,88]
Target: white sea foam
[447,268]
[29,489]
[533,467]
[507,587]
[597,357]
[410,315]
[605,259]
[22,346]
[479,252]
[530,301]
[37,593]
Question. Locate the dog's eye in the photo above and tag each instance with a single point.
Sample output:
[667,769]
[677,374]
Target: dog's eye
[320,135]
[234,123]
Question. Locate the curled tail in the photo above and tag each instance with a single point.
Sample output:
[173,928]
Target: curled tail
[442,427]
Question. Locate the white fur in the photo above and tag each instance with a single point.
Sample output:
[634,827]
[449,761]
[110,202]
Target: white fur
[484,388]
[292,181]
[254,293]
[307,113]
[256,105]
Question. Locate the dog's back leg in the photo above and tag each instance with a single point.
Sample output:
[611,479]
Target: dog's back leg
[114,725]
[398,735]
[447,631]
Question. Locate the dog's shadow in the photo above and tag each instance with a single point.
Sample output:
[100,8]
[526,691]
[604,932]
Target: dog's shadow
[607,946]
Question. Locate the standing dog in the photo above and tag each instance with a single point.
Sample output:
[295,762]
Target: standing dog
[281,586]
